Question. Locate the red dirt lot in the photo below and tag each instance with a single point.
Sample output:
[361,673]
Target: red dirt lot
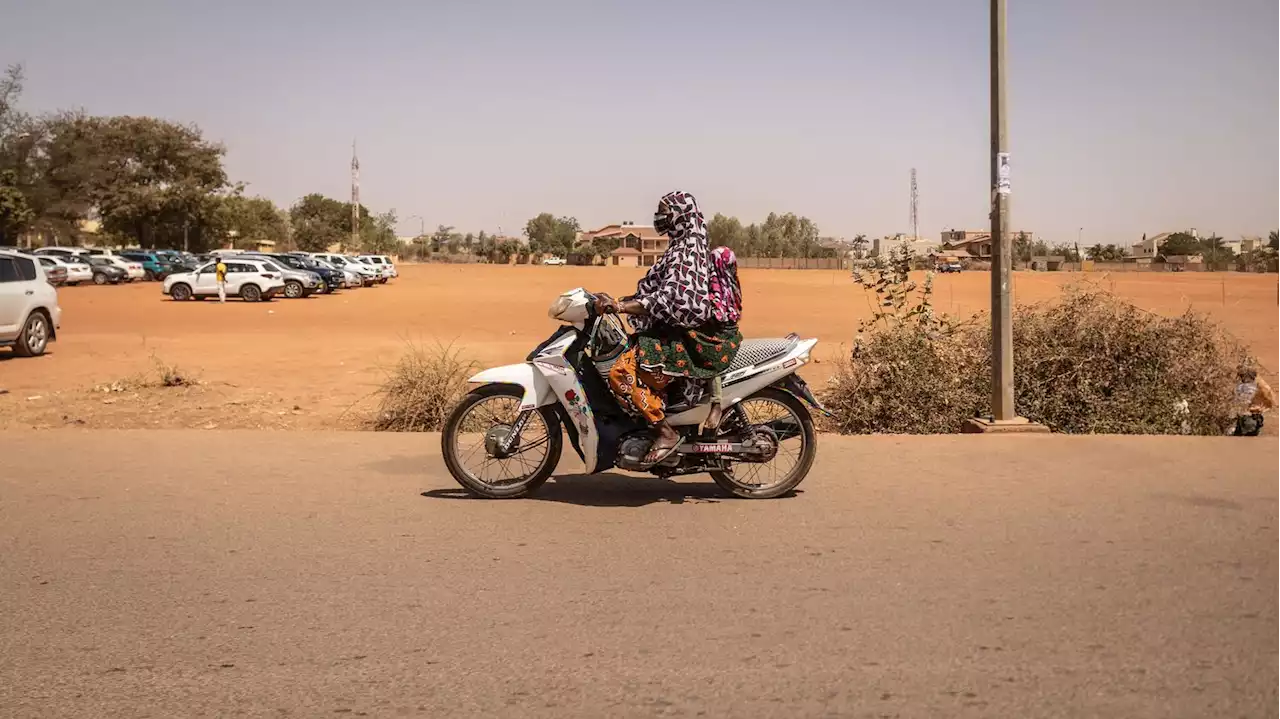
[316,363]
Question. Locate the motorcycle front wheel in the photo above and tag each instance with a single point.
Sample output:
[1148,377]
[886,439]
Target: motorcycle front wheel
[476,429]
[787,416]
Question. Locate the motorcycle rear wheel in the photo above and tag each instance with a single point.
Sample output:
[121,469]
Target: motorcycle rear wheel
[541,430]
[737,485]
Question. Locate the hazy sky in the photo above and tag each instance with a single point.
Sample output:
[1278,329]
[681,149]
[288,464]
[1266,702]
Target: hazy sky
[1126,116]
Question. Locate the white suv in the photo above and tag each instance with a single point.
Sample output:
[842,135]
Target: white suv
[368,274]
[251,280]
[29,311]
[382,263]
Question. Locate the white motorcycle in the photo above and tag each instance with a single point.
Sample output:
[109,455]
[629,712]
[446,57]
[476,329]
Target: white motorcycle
[504,438]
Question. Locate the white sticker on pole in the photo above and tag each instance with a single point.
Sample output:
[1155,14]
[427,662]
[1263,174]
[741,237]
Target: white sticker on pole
[1002,173]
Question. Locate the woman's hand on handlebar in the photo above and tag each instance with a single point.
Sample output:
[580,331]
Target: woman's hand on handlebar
[605,305]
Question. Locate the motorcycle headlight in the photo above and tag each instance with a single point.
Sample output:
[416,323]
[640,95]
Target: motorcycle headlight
[559,307]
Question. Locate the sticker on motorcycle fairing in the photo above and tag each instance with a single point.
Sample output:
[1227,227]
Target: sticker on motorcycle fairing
[551,367]
[577,411]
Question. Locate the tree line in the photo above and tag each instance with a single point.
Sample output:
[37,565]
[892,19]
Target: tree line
[1211,249]
[150,183]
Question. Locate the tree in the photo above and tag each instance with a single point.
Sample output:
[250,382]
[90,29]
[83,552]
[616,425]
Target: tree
[440,239]
[15,213]
[725,231]
[1069,253]
[548,233]
[319,222]
[249,221]
[143,176]
[1180,243]
[604,246]
[1273,240]
[1022,249]
[378,235]
[859,246]
[1094,253]
[1214,252]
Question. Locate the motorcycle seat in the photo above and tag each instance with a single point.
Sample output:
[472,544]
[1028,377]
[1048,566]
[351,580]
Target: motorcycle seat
[753,352]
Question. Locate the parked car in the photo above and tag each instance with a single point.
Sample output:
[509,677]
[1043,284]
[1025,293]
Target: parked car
[55,273]
[380,271]
[78,269]
[29,311]
[554,261]
[106,272]
[253,280]
[350,278]
[298,283]
[331,280]
[368,275]
[154,265]
[947,267]
[133,269]
[383,262]
[179,261]
[60,251]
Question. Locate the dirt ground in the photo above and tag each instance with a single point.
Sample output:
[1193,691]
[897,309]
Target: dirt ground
[317,363]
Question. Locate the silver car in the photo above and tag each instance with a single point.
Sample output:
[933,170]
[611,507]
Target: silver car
[297,283]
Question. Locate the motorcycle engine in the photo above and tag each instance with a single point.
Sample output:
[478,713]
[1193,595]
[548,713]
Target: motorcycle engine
[631,451]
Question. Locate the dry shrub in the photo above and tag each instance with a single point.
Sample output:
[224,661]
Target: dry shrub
[907,379]
[1093,363]
[1090,363]
[170,375]
[422,388]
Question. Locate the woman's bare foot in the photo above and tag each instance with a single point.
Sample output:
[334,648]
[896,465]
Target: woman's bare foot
[713,418]
[665,441]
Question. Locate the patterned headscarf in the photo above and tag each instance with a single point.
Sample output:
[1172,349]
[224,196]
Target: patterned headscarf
[726,293]
[676,289]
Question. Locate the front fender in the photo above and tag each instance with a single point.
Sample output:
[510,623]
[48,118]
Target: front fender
[537,391]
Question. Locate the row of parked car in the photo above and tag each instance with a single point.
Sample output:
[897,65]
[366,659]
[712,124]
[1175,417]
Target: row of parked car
[257,276]
[301,273]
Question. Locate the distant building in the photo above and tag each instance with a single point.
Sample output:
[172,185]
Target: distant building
[1249,244]
[882,245]
[1148,248]
[638,245]
[977,243]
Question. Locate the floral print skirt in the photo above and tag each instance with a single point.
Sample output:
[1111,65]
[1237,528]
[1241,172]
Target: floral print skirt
[700,353]
[641,375]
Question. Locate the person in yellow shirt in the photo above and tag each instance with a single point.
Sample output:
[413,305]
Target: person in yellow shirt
[220,274]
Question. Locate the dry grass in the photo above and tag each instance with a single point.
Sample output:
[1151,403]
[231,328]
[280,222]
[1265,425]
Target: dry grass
[422,388]
[1089,363]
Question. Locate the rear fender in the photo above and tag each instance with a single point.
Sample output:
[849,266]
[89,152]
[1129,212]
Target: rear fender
[537,391]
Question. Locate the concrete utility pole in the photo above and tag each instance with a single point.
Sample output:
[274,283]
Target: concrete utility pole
[1001,276]
[1003,416]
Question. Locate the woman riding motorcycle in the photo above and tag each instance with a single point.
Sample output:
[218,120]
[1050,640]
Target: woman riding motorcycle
[683,328]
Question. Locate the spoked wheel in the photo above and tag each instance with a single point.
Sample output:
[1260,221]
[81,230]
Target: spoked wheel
[477,429]
[780,414]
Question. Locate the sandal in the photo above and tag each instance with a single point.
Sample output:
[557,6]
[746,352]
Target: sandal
[658,453]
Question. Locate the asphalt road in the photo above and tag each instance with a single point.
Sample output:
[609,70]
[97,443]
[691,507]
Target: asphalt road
[210,574]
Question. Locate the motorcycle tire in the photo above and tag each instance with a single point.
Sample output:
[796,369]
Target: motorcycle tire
[476,486]
[803,464]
